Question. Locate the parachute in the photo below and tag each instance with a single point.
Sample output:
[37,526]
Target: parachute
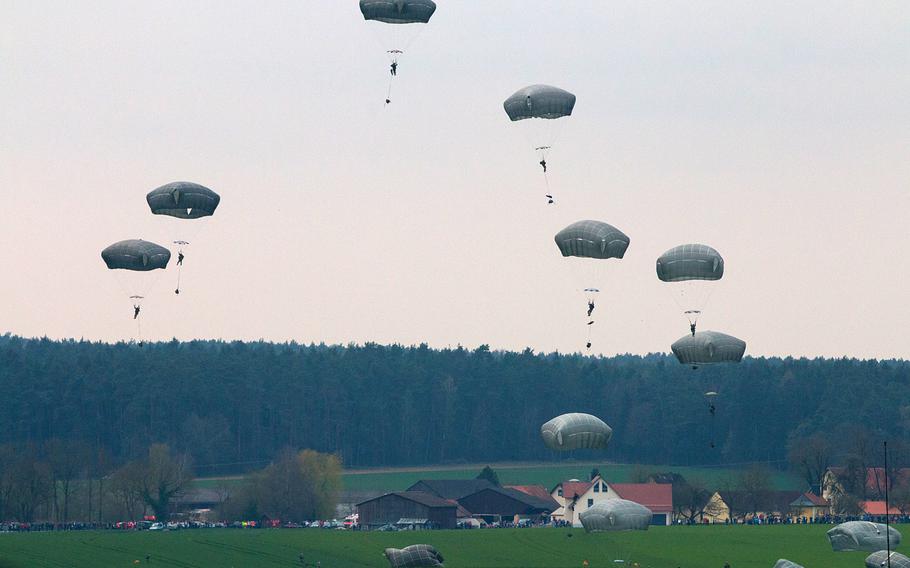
[134,262]
[539,101]
[710,397]
[689,270]
[862,535]
[589,241]
[545,104]
[398,11]
[414,556]
[180,201]
[592,239]
[136,255]
[783,563]
[576,431]
[881,559]
[616,515]
[395,36]
[184,200]
[708,347]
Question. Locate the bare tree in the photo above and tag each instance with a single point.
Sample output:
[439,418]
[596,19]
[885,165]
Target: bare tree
[811,456]
[125,488]
[164,477]
[690,498]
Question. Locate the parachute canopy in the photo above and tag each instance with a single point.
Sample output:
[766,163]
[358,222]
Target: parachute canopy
[784,563]
[862,535]
[706,347]
[414,556]
[616,515]
[690,262]
[880,560]
[398,11]
[136,255]
[183,199]
[576,431]
[539,101]
[592,239]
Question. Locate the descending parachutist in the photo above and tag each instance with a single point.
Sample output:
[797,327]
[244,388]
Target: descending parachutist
[549,198]
[136,309]
[180,258]
[588,345]
[590,307]
[712,410]
[692,329]
[543,164]
[394,69]
[387,101]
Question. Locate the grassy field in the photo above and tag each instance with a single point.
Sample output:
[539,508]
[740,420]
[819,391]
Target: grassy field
[660,547]
[548,475]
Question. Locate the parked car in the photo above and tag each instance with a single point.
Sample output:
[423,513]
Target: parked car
[156,527]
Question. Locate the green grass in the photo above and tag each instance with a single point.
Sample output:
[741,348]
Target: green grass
[547,475]
[660,547]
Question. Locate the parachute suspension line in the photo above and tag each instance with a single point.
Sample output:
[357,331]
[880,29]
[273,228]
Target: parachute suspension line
[179,271]
[388,96]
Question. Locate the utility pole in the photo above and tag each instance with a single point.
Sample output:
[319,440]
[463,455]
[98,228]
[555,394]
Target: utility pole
[887,508]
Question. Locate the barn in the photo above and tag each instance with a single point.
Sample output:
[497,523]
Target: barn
[418,507]
[498,504]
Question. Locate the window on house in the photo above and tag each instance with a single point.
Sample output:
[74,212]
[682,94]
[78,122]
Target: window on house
[596,488]
[603,487]
[590,502]
[559,491]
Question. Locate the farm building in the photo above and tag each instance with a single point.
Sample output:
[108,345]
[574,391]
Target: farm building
[416,509]
[500,504]
[450,488]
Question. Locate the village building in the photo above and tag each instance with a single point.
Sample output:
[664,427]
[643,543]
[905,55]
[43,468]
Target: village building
[506,505]
[408,509]
[727,506]
[575,496]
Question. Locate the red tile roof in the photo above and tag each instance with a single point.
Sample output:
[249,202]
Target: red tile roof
[572,489]
[877,508]
[656,496]
[815,499]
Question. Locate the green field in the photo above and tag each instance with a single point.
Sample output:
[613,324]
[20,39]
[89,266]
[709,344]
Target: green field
[548,475]
[660,547]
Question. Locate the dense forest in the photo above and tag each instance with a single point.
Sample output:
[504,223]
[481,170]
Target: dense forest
[234,406]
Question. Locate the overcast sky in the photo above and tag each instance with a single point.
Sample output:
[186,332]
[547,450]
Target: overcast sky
[777,132]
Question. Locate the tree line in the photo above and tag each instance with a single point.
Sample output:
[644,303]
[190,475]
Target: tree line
[233,406]
[65,482]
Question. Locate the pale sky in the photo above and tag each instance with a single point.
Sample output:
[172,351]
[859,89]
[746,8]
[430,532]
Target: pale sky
[776,131]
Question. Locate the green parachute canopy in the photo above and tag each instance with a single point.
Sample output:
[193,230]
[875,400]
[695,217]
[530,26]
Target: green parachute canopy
[881,558]
[784,563]
[398,11]
[592,239]
[539,101]
[862,535]
[414,556]
[184,200]
[137,255]
[575,431]
[690,262]
[616,515]
[707,347]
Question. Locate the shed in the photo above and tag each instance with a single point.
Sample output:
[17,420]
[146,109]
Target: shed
[392,507]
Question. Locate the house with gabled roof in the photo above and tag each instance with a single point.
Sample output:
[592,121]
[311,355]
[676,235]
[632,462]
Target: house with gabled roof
[575,496]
